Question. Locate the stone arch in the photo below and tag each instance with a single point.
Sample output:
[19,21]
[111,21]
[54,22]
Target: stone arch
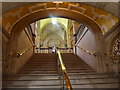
[45,13]
[23,22]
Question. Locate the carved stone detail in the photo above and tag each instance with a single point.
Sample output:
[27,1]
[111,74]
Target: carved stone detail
[8,26]
[77,6]
[16,14]
[44,6]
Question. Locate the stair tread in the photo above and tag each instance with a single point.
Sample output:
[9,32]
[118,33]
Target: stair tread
[41,71]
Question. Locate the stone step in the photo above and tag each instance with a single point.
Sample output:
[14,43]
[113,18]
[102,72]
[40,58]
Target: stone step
[106,85]
[41,63]
[37,72]
[38,64]
[32,87]
[41,72]
[41,82]
[30,77]
[42,60]
[79,71]
[93,81]
[43,68]
[90,76]
[57,82]
[41,77]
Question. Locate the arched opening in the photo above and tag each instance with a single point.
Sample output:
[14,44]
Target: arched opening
[30,18]
[84,37]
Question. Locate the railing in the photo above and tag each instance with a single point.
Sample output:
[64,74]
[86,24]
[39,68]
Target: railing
[49,50]
[18,54]
[14,54]
[65,50]
[43,50]
[63,76]
[87,51]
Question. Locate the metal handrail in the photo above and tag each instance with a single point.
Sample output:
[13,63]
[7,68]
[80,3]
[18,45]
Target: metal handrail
[87,51]
[18,54]
[64,72]
[14,54]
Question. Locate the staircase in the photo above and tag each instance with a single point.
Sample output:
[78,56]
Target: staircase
[38,72]
[41,72]
[83,76]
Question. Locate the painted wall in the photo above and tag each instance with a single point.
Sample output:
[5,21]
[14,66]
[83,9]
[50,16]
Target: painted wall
[88,43]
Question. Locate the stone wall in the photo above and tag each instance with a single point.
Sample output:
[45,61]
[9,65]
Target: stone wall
[88,43]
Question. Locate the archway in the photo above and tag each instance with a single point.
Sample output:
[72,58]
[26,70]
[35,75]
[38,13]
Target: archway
[45,13]
[21,24]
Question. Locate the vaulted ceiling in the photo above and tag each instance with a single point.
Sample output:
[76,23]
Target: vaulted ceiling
[52,34]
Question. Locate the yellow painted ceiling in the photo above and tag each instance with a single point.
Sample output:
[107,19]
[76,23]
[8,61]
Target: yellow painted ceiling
[63,21]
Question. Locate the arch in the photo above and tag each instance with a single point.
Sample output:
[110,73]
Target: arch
[19,26]
[41,14]
[45,13]
[86,10]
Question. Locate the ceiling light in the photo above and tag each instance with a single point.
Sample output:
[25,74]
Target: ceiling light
[54,21]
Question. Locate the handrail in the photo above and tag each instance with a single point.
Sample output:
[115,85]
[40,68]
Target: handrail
[65,75]
[12,53]
[61,62]
[89,52]
[21,53]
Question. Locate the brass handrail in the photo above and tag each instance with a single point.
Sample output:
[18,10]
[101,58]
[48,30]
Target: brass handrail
[18,54]
[87,51]
[65,75]
[21,53]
